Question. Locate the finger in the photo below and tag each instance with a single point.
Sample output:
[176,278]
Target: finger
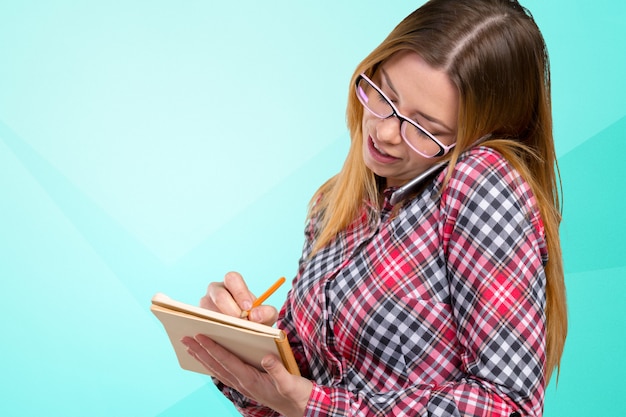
[297,389]
[235,284]
[196,351]
[237,374]
[206,301]
[218,298]
[217,353]
[283,380]
[202,355]
[265,314]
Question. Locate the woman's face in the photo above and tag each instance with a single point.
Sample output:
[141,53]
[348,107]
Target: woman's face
[420,93]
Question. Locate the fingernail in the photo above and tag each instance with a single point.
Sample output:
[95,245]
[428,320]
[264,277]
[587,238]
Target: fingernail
[204,340]
[192,354]
[247,305]
[268,362]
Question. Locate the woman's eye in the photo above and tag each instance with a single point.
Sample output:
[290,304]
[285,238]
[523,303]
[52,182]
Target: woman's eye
[423,134]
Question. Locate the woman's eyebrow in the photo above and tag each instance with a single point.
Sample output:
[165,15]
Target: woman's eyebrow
[388,81]
[425,116]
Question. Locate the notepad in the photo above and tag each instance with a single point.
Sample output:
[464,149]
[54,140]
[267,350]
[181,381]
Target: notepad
[248,340]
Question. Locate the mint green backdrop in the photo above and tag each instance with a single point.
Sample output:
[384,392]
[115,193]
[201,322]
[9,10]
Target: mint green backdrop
[153,146]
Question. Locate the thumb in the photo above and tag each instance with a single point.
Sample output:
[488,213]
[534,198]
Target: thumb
[275,369]
[296,390]
[264,314]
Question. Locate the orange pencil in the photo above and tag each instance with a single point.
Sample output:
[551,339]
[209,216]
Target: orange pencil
[264,296]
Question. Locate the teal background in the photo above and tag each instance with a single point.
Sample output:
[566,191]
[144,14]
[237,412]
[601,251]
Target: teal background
[153,146]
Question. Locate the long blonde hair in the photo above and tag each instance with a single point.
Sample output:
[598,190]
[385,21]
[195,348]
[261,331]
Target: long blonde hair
[494,53]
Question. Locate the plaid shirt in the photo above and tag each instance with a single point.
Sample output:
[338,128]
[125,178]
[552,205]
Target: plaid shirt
[435,309]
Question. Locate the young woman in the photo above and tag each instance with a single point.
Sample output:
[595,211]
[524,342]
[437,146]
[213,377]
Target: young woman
[441,297]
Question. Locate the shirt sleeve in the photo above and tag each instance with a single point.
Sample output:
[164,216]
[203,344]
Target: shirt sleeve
[495,250]
[493,244]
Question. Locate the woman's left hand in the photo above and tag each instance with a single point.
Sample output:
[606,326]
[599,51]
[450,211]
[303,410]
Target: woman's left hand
[276,388]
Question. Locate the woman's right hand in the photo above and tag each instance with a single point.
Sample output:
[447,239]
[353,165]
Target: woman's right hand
[232,297]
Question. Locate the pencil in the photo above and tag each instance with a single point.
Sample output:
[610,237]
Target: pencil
[264,296]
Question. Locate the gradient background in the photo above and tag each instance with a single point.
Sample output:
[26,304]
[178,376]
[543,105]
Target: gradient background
[153,146]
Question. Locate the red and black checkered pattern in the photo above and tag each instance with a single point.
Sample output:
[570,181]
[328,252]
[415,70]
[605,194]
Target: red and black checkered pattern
[436,310]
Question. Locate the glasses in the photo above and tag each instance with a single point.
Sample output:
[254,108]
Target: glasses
[377,103]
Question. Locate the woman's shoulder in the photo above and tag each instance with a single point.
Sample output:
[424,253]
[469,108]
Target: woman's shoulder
[481,161]
[483,167]
[485,187]
[484,174]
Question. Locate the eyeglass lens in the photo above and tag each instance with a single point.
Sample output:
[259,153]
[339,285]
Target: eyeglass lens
[380,106]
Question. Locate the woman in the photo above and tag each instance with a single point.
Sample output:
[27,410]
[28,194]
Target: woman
[445,299]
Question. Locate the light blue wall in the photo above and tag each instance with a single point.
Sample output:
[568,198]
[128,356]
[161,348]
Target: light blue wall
[153,146]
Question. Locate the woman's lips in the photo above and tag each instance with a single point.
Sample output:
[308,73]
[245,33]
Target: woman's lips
[378,155]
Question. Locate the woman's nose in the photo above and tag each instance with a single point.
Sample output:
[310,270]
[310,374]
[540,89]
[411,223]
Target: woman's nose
[388,130]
